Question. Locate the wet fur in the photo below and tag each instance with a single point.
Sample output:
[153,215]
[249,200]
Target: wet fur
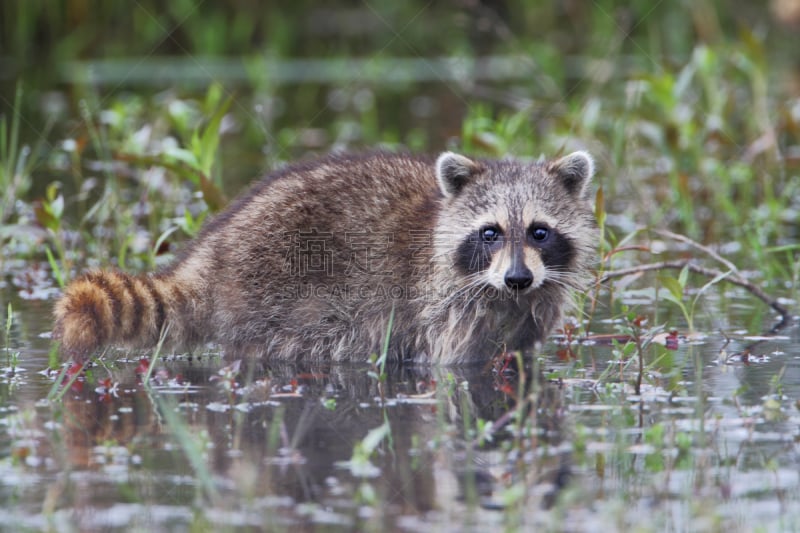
[243,284]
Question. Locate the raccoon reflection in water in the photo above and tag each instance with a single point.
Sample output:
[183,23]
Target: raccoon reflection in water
[471,256]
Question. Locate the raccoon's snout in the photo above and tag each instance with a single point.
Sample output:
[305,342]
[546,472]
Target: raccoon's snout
[519,278]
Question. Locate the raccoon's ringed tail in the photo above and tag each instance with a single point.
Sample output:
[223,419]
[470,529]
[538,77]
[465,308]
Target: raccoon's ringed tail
[82,318]
[106,308]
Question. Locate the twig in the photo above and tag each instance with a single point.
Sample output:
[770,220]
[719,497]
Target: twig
[694,244]
[704,271]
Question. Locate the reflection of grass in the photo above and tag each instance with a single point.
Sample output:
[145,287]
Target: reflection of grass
[195,447]
[12,356]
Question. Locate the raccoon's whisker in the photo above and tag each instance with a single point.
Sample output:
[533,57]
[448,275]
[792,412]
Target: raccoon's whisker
[468,282]
[473,282]
[564,282]
[566,279]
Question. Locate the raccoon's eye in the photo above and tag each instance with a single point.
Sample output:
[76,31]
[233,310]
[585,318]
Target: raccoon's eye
[490,233]
[539,233]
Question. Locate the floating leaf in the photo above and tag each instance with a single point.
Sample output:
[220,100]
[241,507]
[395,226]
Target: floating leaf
[374,437]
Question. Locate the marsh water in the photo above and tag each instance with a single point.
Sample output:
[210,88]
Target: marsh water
[704,436]
[562,444]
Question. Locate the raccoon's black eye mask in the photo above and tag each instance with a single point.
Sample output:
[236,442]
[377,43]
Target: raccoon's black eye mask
[539,233]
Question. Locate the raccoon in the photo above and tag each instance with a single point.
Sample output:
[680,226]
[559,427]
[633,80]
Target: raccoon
[444,261]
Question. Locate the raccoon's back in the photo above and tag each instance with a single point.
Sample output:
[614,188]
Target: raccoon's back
[306,262]
[342,210]
[379,192]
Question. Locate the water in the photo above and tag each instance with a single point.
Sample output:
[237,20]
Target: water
[215,444]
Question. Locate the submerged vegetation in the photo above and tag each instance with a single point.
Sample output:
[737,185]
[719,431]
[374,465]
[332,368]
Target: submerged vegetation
[659,405]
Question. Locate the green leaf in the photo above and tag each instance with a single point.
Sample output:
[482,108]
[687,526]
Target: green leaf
[655,435]
[41,211]
[185,156]
[683,277]
[57,207]
[671,298]
[54,267]
[160,241]
[9,321]
[683,441]
[213,195]
[628,349]
[329,404]
[213,97]
[599,207]
[717,279]
[205,145]
[674,287]
[782,248]
[654,462]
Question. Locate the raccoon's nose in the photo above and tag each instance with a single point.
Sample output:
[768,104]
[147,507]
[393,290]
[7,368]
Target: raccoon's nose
[519,279]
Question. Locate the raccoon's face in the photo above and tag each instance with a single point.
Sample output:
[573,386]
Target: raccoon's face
[515,226]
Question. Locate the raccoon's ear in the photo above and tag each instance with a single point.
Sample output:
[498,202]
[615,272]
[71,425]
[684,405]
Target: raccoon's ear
[453,171]
[575,170]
